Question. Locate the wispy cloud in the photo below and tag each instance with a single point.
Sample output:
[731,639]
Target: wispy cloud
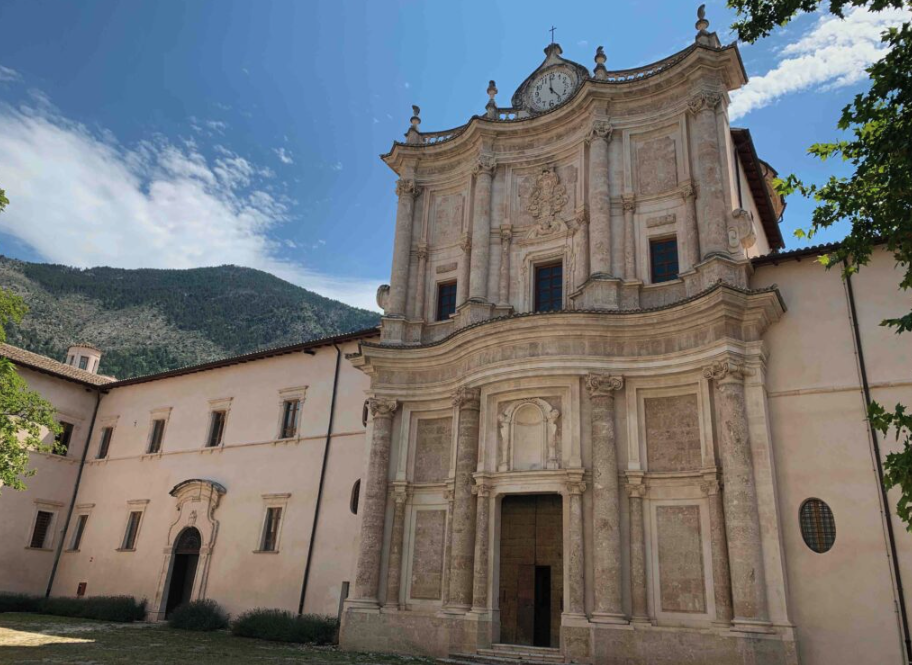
[79,197]
[833,53]
[283,155]
[9,74]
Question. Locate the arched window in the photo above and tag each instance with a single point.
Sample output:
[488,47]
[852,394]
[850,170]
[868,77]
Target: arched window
[355,496]
[818,527]
[364,414]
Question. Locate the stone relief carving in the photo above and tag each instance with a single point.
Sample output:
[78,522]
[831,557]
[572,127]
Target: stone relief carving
[484,166]
[405,187]
[383,294]
[382,407]
[467,398]
[549,196]
[704,100]
[601,129]
[741,233]
[600,385]
[726,369]
[549,418]
[657,169]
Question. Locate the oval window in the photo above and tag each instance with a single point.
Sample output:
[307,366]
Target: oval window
[818,527]
[355,497]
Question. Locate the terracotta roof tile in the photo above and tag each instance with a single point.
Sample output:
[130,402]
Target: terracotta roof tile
[44,364]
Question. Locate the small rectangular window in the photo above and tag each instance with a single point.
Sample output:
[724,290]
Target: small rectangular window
[78,531]
[83,362]
[271,529]
[129,541]
[446,300]
[549,287]
[42,527]
[663,255]
[290,413]
[106,434]
[69,360]
[63,439]
[216,429]
[156,435]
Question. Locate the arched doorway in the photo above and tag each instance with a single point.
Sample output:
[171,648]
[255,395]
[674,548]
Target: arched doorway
[183,570]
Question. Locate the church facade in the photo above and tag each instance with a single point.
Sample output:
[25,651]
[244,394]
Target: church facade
[605,419]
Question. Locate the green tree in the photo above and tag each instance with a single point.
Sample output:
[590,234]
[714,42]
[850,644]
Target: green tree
[24,414]
[877,198]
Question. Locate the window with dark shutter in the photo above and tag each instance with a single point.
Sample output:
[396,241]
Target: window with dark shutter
[129,541]
[42,527]
[216,429]
[355,497]
[446,301]
[271,529]
[156,435]
[549,287]
[106,434]
[63,439]
[77,533]
[818,526]
[290,418]
[663,256]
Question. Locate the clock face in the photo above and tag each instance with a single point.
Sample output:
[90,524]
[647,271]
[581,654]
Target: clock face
[551,89]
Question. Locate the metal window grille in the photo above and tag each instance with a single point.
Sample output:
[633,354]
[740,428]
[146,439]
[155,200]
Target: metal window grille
[42,526]
[663,255]
[446,300]
[271,529]
[106,435]
[549,287]
[818,526]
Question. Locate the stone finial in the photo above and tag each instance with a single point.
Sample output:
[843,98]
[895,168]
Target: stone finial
[600,385]
[491,106]
[704,36]
[382,407]
[467,398]
[416,117]
[413,135]
[600,59]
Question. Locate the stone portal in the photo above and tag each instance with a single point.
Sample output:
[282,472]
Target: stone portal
[531,570]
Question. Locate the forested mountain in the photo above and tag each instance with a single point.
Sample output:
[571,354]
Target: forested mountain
[148,321]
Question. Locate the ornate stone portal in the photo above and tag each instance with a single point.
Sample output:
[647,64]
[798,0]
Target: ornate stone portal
[641,405]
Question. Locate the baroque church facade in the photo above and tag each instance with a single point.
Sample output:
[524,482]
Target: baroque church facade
[605,419]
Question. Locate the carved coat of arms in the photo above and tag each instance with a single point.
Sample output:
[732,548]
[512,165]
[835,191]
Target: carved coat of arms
[548,198]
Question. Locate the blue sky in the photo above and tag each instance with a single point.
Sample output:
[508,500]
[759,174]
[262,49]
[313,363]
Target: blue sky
[176,134]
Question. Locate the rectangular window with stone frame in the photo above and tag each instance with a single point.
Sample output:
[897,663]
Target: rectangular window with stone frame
[78,531]
[549,287]
[216,429]
[663,259]
[105,445]
[41,530]
[270,540]
[291,409]
[64,438]
[446,300]
[156,435]
[132,531]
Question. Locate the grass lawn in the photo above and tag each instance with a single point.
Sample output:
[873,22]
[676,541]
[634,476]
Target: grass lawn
[38,638]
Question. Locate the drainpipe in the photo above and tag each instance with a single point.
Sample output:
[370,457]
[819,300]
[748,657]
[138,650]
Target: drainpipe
[66,524]
[891,538]
[313,528]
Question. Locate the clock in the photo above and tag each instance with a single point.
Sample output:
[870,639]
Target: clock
[550,89]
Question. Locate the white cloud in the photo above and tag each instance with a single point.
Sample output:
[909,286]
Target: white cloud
[832,54]
[80,198]
[9,74]
[336,166]
[284,155]
[582,43]
[407,85]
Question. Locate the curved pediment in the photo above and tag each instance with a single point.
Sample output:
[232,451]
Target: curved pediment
[186,486]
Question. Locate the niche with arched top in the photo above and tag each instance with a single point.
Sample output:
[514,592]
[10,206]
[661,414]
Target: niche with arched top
[528,436]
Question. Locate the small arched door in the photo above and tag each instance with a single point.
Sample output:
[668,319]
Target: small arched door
[183,570]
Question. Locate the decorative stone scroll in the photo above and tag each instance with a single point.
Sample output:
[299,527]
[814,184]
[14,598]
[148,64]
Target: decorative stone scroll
[603,384]
[549,439]
[406,187]
[705,100]
[741,234]
[484,166]
[723,370]
[382,407]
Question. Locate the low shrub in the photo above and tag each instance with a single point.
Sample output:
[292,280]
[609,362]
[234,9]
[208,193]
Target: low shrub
[123,609]
[202,615]
[19,602]
[284,626]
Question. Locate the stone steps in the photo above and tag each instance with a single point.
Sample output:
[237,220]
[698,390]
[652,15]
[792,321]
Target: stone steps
[506,654]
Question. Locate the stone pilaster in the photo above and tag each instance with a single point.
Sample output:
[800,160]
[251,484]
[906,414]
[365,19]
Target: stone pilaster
[712,217]
[462,553]
[599,199]
[506,238]
[742,519]
[482,536]
[635,492]
[447,543]
[407,190]
[606,538]
[712,489]
[629,201]
[576,564]
[394,568]
[367,575]
[420,301]
[462,280]
[580,229]
[481,228]
[691,244]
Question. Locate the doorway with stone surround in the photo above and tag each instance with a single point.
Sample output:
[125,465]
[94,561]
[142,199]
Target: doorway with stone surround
[531,569]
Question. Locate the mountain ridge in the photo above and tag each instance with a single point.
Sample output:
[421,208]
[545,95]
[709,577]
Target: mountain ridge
[148,320]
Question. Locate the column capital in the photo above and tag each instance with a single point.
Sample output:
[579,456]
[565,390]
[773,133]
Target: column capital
[506,233]
[422,251]
[704,100]
[484,166]
[602,385]
[382,407]
[687,190]
[467,398]
[726,371]
[629,201]
[575,486]
[406,187]
[601,129]
[635,490]
[400,493]
[710,486]
[481,491]
[466,243]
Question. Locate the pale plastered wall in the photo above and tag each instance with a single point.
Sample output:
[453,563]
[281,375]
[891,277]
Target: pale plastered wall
[842,602]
